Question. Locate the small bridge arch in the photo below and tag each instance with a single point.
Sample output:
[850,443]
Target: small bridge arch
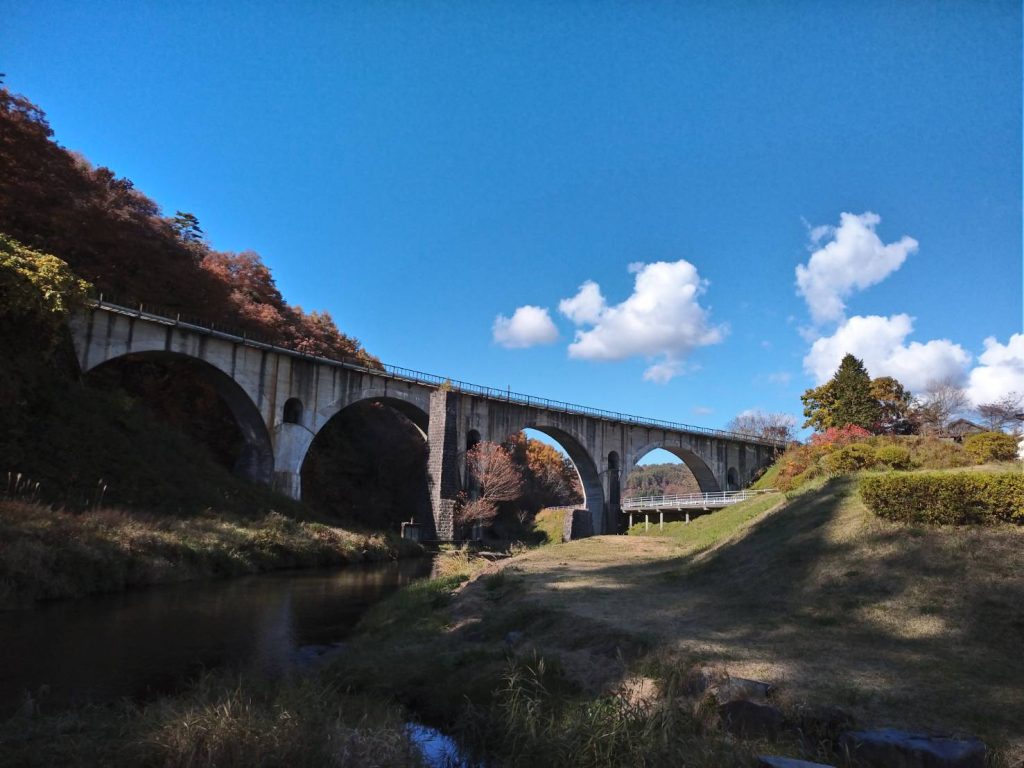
[698,466]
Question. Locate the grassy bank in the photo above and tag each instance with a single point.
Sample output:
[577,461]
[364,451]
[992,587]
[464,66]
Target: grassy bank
[898,625]
[223,721]
[47,554]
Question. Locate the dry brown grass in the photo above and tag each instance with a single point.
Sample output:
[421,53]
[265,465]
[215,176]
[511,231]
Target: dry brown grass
[899,625]
[47,554]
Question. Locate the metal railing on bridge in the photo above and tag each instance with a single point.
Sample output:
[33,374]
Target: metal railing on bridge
[713,500]
[169,317]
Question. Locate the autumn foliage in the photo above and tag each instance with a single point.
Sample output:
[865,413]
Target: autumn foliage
[112,235]
[840,436]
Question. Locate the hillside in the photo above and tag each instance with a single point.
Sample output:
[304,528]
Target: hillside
[660,480]
[115,237]
[895,625]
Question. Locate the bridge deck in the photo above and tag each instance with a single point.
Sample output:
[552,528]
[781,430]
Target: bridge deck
[432,380]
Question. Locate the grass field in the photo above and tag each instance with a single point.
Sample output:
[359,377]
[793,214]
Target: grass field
[897,625]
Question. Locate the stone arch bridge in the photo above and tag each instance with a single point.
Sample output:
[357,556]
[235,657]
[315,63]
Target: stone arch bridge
[281,399]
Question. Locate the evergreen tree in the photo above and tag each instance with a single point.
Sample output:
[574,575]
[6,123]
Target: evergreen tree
[854,403]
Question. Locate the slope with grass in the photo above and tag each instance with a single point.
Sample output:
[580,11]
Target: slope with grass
[895,624]
[47,554]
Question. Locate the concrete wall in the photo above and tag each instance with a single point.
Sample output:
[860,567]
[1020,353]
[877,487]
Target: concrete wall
[256,382]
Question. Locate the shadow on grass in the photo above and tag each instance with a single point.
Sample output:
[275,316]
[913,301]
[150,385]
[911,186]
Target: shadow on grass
[902,625]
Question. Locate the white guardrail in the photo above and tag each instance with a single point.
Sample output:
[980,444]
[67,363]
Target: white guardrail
[690,500]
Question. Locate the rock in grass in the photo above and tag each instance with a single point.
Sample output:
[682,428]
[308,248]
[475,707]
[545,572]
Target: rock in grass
[893,748]
[751,720]
[733,688]
[774,761]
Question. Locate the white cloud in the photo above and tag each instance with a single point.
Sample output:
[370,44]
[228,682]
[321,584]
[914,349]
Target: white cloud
[702,410]
[586,306]
[1000,370]
[854,259]
[662,319]
[528,327]
[663,373]
[881,343]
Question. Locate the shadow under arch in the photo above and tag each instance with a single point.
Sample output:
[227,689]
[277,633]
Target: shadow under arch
[586,469]
[368,461]
[410,411]
[256,460]
[706,480]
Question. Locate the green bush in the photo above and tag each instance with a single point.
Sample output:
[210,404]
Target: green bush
[894,456]
[849,458]
[946,497]
[991,446]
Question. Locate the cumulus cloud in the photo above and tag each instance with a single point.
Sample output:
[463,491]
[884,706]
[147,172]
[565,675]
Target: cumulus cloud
[586,306]
[881,343]
[528,327]
[854,258]
[1000,370]
[662,320]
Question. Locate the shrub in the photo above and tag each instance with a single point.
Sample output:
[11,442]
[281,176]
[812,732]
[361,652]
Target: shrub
[840,436]
[849,458]
[991,446]
[946,498]
[894,456]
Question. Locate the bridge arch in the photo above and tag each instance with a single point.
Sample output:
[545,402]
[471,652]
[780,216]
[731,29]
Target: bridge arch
[367,460]
[702,473]
[586,469]
[256,461]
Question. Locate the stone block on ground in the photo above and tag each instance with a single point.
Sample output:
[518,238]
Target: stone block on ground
[893,748]
[751,720]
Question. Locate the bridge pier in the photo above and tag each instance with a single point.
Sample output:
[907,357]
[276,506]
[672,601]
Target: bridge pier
[443,461]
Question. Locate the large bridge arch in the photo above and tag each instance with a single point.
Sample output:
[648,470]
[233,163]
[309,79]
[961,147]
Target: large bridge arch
[256,462]
[294,440]
[702,472]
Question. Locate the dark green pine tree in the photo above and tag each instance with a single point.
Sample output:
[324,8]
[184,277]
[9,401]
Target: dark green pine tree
[854,403]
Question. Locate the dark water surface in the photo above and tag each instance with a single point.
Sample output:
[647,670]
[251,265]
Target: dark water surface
[154,640]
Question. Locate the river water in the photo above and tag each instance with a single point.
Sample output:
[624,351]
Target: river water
[152,641]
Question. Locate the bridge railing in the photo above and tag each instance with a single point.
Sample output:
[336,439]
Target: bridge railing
[682,501]
[170,317]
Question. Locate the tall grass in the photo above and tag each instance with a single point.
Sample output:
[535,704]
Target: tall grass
[531,721]
[223,722]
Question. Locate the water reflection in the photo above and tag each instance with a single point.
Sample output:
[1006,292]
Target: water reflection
[152,641]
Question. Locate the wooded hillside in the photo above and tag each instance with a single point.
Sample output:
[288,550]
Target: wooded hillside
[114,236]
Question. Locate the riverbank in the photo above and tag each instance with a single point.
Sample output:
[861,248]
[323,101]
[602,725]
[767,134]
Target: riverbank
[47,554]
[853,619]
[224,720]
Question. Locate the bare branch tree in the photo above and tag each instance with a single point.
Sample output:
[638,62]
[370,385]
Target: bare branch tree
[494,472]
[774,426]
[1001,412]
[938,403]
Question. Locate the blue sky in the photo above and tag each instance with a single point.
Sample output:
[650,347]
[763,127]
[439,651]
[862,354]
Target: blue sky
[420,169]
